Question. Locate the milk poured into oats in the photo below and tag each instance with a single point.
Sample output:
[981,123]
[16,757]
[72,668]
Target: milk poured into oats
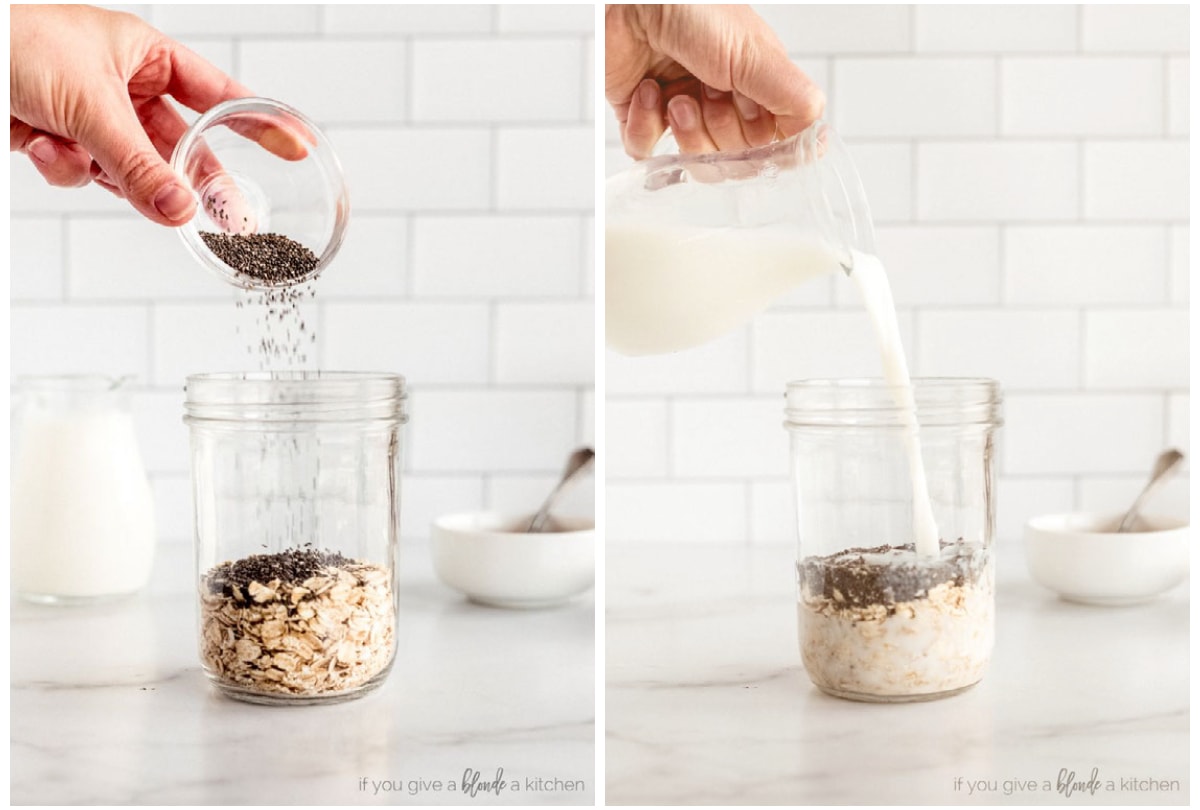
[672,288]
[871,279]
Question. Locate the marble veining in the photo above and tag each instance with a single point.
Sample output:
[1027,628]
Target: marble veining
[109,706]
[708,703]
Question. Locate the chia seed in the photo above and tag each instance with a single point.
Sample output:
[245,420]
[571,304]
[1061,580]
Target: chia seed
[266,258]
[886,575]
[290,567]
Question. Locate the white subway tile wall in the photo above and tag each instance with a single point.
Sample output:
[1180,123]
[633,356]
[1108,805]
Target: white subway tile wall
[1027,170]
[466,136]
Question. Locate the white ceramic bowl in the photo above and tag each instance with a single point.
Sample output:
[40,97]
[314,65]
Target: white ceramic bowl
[1083,559]
[492,559]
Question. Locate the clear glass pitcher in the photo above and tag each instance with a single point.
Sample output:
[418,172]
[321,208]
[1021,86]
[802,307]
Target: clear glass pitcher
[697,244]
[82,518]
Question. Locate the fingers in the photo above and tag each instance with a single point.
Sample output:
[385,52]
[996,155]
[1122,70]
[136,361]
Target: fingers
[735,122]
[687,123]
[222,201]
[732,48]
[122,148]
[197,83]
[702,118]
[765,74]
[644,124]
[201,86]
[163,124]
[721,119]
[60,161]
[758,125]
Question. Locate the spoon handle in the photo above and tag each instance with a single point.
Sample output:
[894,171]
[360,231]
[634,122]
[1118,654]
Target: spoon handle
[1166,464]
[580,460]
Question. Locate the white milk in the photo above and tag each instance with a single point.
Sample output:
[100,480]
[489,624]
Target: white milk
[82,512]
[668,289]
[872,282]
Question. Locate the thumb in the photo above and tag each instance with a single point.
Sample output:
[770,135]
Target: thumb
[122,148]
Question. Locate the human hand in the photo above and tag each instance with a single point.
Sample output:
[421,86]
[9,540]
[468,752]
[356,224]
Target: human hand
[717,75]
[87,102]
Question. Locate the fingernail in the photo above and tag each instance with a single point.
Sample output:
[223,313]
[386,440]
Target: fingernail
[746,107]
[173,201]
[712,93]
[43,150]
[648,95]
[682,114]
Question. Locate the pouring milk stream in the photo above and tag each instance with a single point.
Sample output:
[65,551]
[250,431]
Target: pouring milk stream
[672,284]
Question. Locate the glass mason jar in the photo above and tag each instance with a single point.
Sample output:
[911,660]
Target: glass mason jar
[880,617]
[82,522]
[295,480]
[697,244]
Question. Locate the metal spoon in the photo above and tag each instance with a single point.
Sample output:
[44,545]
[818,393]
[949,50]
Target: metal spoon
[579,460]
[1167,462]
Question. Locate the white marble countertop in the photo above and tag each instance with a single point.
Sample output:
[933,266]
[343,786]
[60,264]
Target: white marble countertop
[109,706]
[707,701]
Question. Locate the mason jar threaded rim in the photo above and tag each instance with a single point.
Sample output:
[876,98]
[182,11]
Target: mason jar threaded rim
[296,397]
[870,402]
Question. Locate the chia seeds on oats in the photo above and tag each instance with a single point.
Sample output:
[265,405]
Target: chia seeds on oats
[267,258]
[883,623]
[886,575]
[300,622]
[289,567]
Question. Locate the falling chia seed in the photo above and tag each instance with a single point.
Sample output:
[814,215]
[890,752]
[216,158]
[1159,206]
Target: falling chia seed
[270,269]
[279,334]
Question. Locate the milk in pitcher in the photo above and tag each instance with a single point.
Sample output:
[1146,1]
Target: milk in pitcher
[669,288]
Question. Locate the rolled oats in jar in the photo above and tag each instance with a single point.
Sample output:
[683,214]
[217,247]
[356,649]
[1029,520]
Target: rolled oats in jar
[296,478]
[882,616]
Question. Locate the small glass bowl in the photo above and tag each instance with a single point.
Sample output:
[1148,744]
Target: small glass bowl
[257,165]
